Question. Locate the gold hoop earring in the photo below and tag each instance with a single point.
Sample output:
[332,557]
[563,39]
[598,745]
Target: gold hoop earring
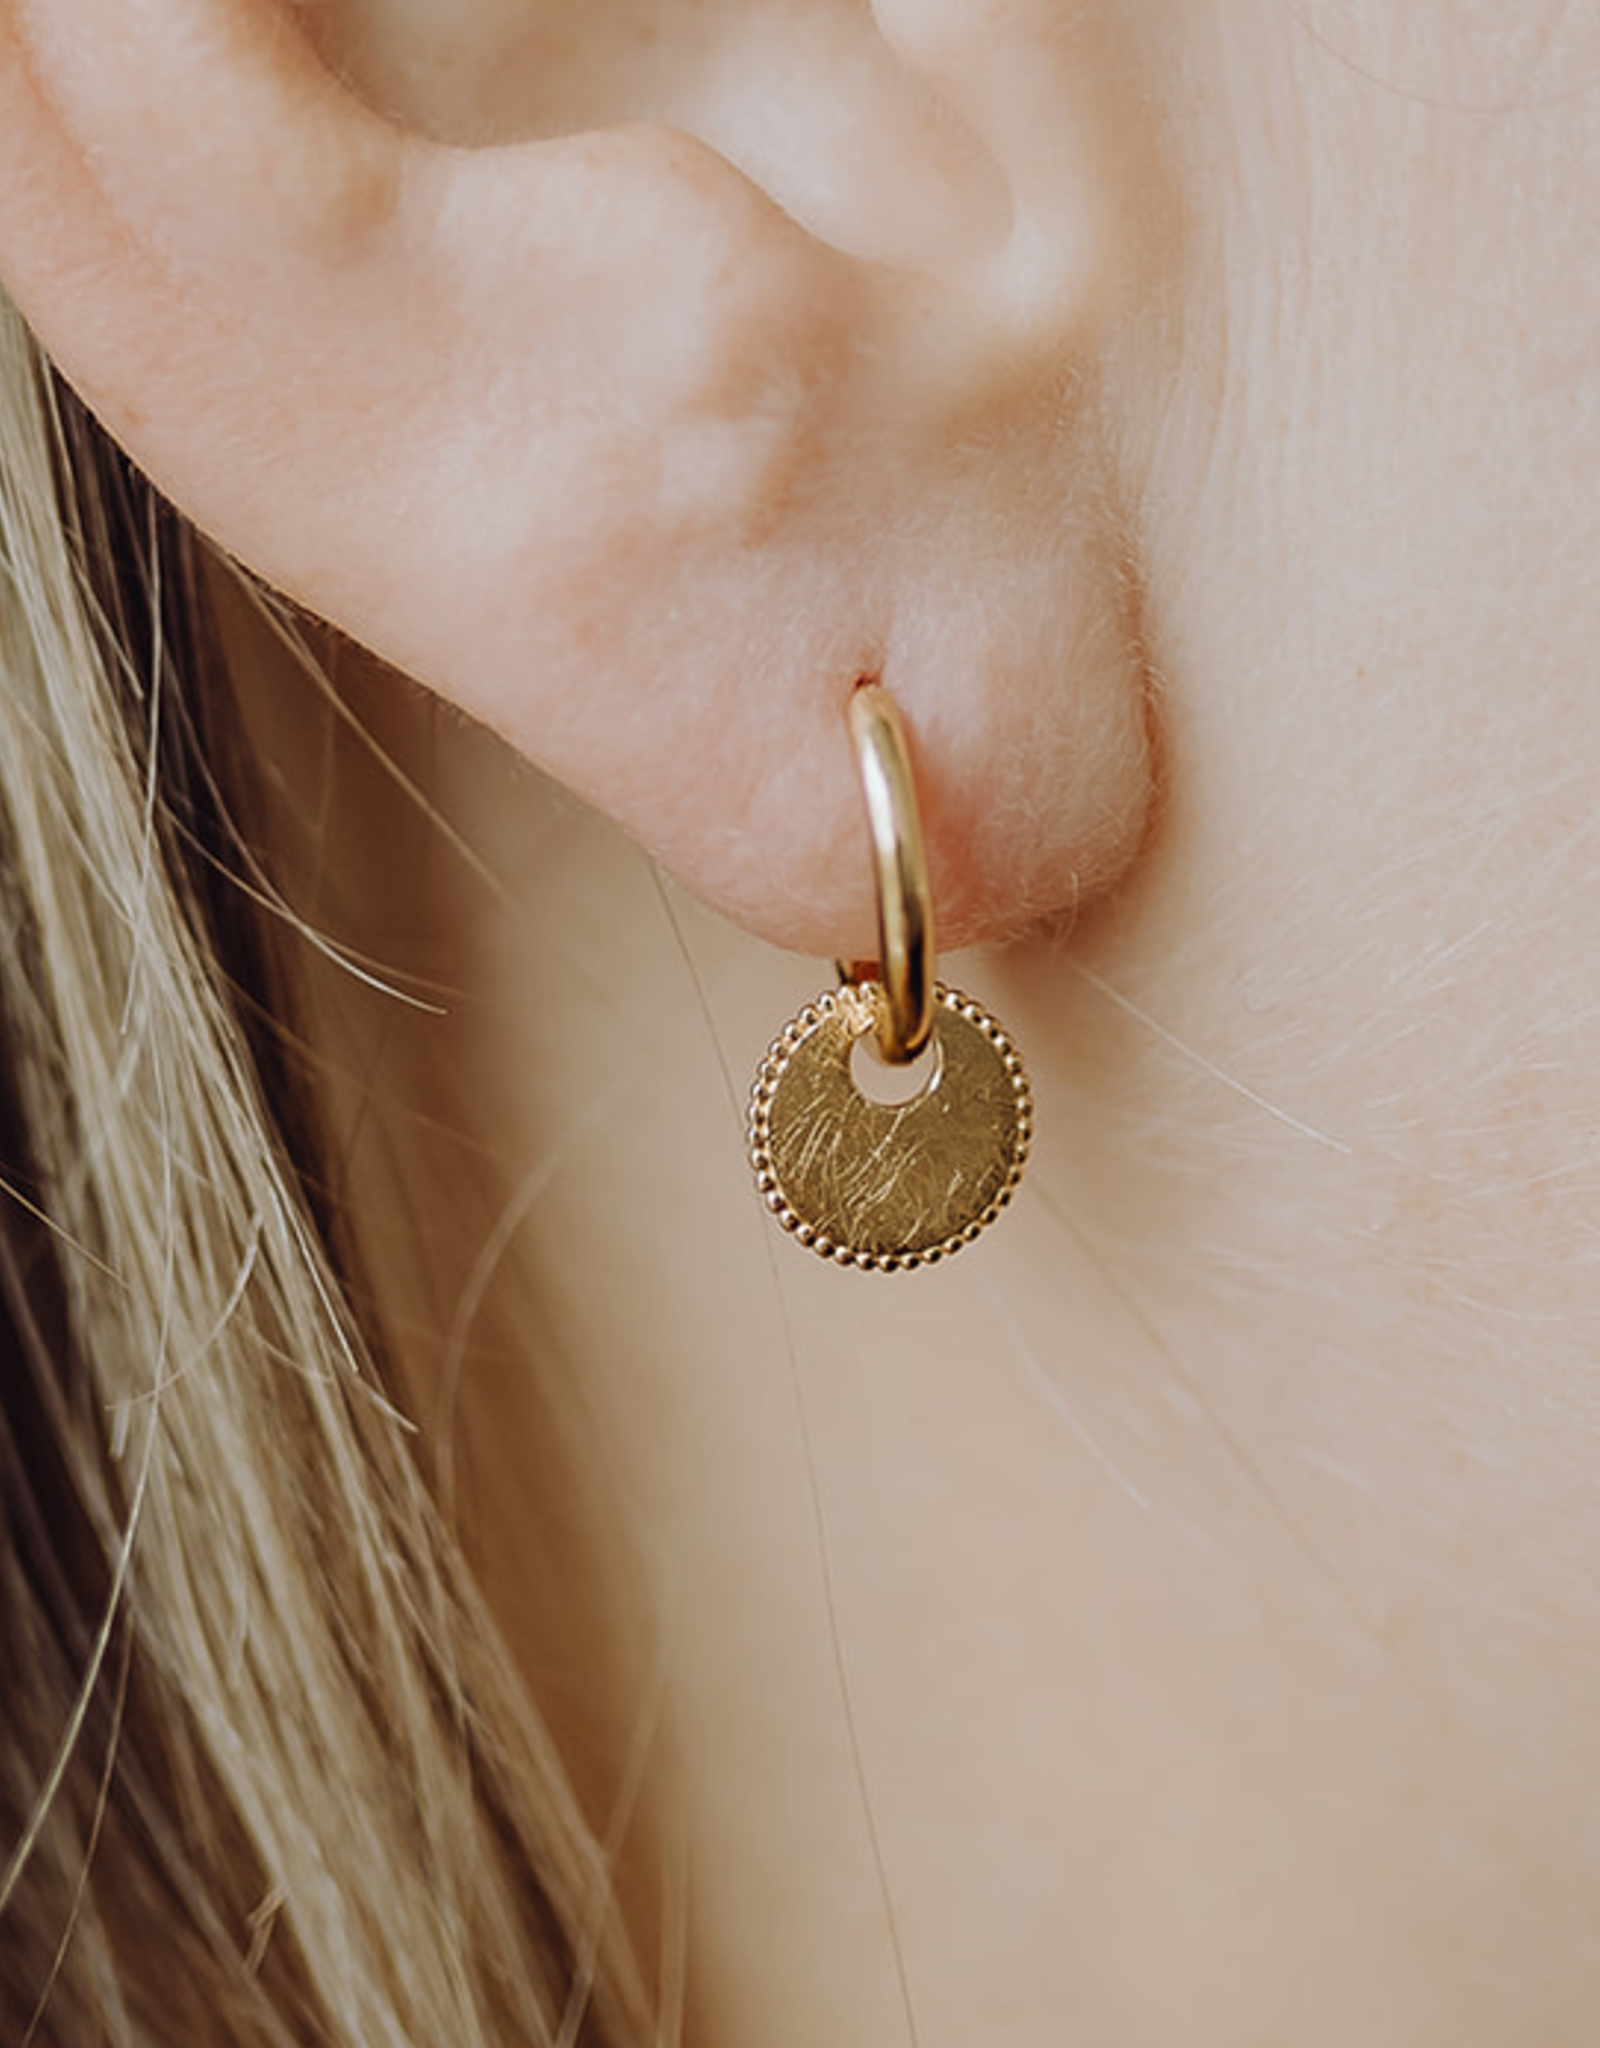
[881,1185]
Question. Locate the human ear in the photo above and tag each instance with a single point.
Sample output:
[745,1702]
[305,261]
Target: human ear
[598,438]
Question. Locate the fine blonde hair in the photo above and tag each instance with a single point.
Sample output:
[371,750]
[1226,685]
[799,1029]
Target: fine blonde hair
[266,1772]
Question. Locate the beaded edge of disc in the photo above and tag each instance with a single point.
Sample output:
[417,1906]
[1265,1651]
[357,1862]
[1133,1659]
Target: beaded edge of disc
[770,1073]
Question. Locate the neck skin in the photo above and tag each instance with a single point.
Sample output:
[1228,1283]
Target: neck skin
[1193,1580]
[1173,1622]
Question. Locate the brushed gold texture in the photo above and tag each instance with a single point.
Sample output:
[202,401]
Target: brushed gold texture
[889,1186]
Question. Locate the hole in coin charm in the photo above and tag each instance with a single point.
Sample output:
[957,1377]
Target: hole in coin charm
[888,1185]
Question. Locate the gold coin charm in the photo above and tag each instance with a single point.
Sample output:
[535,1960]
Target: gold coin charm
[888,1185]
[874,1183]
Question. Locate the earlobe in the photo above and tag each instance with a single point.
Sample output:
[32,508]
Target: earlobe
[593,437]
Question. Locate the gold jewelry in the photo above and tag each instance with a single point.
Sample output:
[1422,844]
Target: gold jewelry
[890,1185]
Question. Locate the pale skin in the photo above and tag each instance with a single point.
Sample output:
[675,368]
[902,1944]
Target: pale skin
[1192,410]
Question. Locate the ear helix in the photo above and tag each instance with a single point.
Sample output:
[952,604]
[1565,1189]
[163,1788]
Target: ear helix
[277,176]
[270,158]
[299,319]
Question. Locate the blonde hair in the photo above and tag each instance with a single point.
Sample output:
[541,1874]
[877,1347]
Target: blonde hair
[266,1772]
